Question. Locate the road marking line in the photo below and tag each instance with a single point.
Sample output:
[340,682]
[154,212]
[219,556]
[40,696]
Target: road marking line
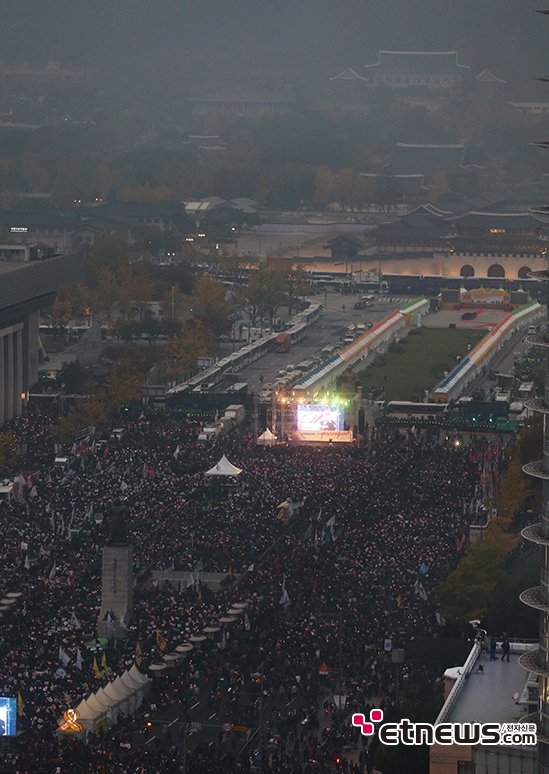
[212,716]
[150,740]
[195,705]
[173,721]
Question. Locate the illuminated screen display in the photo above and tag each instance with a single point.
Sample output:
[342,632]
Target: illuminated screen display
[318,418]
[8,716]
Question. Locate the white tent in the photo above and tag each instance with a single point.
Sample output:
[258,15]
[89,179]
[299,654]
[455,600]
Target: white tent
[87,715]
[224,468]
[267,438]
[122,696]
[138,676]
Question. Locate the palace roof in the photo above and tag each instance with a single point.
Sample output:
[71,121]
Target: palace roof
[418,61]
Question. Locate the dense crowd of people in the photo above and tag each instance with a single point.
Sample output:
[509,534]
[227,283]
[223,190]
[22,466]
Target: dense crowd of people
[377,524]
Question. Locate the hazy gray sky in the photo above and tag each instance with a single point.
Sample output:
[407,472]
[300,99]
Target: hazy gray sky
[294,38]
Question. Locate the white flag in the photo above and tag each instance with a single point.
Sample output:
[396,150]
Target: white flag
[27,562]
[123,623]
[420,590]
[79,661]
[247,624]
[64,657]
[176,452]
[284,599]
[53,571]
[74,622]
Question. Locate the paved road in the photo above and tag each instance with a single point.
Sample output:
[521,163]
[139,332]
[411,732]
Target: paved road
[338,313]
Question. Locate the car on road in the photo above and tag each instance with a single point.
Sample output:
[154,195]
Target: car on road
[468,315]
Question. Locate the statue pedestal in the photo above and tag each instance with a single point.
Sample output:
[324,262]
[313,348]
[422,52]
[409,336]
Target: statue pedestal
[116,591]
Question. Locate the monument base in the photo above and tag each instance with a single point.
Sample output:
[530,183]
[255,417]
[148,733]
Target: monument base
[116,591]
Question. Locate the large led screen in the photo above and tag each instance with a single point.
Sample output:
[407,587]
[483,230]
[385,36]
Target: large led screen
[318,418]
[8,716]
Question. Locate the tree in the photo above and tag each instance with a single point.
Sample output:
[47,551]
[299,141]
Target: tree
[295,285]
[180,356]
[109,250]
[209,304]
[466,593]
[9,450]
[70,302]
[124,385]
[325,186]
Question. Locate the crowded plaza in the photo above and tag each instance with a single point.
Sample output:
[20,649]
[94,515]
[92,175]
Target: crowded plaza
[374,526]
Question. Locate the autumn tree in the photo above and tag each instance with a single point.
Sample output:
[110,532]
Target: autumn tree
[466,593]
[180,355]
[209,305]
[111,250]
[69,303]
[9,451]
[325,186]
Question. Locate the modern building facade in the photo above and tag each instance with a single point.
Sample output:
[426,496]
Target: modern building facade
[25,287]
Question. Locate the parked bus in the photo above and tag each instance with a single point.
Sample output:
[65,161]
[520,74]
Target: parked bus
[283,342]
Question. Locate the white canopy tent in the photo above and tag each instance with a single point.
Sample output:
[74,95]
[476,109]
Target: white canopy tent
[267,438]
[122,696]
[224,468]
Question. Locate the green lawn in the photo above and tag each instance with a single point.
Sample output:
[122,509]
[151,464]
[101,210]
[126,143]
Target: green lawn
[417,363]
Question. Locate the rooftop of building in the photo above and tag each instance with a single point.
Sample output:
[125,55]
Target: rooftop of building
[489,695]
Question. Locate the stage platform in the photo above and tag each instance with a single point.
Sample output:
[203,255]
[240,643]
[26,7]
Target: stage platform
[324,437]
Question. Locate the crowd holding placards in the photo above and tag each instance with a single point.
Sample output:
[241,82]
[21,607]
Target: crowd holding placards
[380,522]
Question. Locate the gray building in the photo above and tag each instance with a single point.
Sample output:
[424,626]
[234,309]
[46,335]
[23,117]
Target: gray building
[25,287]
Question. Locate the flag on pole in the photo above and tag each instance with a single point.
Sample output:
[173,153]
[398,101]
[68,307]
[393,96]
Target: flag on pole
[53,571]
[73,620]
[104,666]
[97,672]
[161,641]
[420,590]
[247,624]
[123,623]
[27,562]
[79,661]
[284,599]
[138,654]
[20,704]
[64,657]
[176,452]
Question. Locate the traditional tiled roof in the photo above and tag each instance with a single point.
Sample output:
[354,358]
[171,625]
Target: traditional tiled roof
[348,75]
[418,61]
[488,77]
[416,225]
[515,221]
[348,239]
